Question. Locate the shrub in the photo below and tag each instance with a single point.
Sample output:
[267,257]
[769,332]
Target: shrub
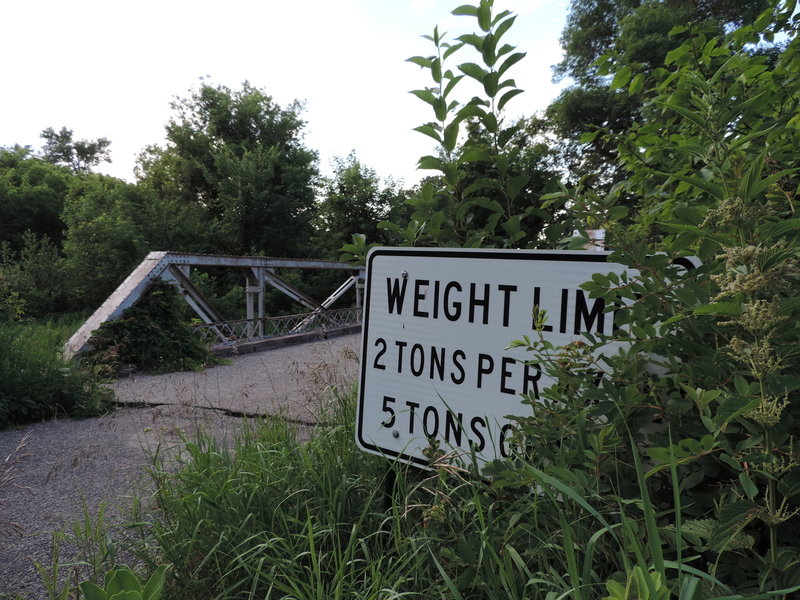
[36,382]
[151,335]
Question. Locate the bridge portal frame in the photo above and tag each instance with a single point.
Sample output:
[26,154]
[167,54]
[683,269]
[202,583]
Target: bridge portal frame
[175,268]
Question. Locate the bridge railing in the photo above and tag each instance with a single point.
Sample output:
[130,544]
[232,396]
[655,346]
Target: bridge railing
[247,330]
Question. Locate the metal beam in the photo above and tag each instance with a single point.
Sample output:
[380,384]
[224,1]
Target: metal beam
[175,266]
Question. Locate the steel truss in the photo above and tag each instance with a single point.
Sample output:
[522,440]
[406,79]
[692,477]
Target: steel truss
[175,268]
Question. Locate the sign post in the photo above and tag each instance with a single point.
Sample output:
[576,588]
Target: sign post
[435,361]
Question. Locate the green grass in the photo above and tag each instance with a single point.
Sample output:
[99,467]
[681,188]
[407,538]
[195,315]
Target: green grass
[37,382]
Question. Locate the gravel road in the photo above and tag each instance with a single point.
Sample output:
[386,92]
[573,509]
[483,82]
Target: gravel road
[64,464]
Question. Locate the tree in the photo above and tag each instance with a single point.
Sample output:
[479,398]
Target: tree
[238,156]
[79,155]
[104,240]
[32,194]
[635,33]
[354,202]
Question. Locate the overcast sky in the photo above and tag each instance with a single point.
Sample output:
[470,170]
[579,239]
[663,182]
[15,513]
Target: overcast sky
[109,68]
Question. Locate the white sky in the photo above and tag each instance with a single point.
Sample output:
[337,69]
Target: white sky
[109,68]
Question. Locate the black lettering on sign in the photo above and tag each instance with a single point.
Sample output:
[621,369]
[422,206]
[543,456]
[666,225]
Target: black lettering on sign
[437,363]
[473,425]
[400,345]
[506,289]
[505,373]
[377,364]
[474,302]
[537,291]
[412,407]
[452,310]
[505,432]
[436,299]
[430,426]
[585,319]
[396,294]
[420,295]
[417,360]
[562,325]
[452,425]
[458,354]
[533,373]
[386,408]
[485,366]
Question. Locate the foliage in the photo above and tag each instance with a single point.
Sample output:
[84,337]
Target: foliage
[695,412]
[638,34]
[150,335]
[354,202]
[275,517]
[240,157]
[122,584]
[79,155]
[485,194]
[36,382]
[33,193]
[34,280]
[104,240]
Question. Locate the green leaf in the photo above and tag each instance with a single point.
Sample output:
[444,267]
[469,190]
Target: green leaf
[789,485]
[688,114]
[126,595]
[506,134]
[515,185]
[474,70]
[715,190]
[422,61]
[733,518]
[637,84]
[589,136]
[490,84]
[506,97]
[154,585]
[451,50]
[510,62]
[503,27]
[91,591]
[741,385]
[425,96]
[749,488]
[436,70]
[123,580]
[465,10]
[450,85]
[693,229]
[778,229]
[617,213]
[450,136]
[430,131]
[473,40]
[484,16]
[476,154]
[430,162]
[719,309]
[621,78]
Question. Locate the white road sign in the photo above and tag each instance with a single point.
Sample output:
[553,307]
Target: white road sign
[437,323]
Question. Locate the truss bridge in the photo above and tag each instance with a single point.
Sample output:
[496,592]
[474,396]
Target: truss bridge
[257,328]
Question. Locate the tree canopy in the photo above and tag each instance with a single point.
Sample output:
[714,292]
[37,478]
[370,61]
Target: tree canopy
[239,156]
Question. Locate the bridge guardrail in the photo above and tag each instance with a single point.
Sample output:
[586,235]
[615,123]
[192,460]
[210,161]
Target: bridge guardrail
[248,330]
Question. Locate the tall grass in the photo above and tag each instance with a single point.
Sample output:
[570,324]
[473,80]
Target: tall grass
[274,517]
[37,382]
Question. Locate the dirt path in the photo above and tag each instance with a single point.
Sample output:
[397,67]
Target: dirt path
[65,463]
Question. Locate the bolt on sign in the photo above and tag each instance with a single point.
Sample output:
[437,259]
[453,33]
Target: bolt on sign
[435,361]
